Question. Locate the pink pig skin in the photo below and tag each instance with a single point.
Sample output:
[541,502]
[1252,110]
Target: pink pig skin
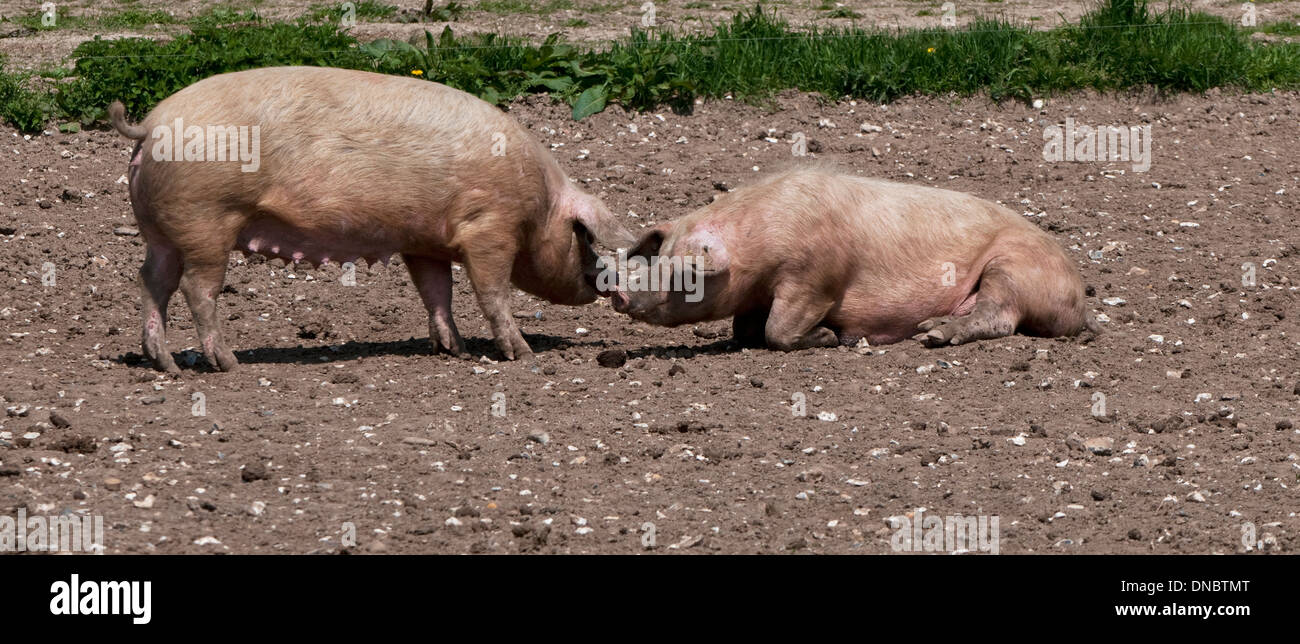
[354,165]
[812,258]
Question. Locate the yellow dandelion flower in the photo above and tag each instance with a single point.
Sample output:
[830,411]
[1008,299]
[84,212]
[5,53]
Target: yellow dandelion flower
[930,50]
[417,72]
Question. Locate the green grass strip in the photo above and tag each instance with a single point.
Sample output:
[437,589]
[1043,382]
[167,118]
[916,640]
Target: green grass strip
[1120,44]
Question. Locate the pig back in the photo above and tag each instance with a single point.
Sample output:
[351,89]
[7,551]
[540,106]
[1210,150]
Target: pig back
[332,142]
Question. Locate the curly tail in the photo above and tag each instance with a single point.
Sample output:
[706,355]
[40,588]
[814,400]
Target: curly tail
[117,115]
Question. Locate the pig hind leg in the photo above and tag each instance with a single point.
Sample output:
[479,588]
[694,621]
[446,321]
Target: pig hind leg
[1030,287]
[159,277]
[995,314]
[201,283]
[433,280]
[795,320]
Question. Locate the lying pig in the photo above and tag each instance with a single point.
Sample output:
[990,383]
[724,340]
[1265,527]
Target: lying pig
[811,258]
[314,165]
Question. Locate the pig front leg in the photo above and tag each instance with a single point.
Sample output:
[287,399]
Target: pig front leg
[432,279]
[794,321]
[489,265]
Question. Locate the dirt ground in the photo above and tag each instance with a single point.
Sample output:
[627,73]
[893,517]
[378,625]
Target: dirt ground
[341,414]
[582,21]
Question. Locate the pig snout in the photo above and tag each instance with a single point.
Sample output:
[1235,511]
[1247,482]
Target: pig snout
[621,302]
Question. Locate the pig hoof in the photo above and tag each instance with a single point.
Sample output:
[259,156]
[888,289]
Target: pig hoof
[456,350]
[514,348]
[226,362]
[934,338]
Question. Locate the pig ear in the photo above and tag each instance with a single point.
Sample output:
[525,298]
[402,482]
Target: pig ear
[602,223]
[649,244]
[706,250]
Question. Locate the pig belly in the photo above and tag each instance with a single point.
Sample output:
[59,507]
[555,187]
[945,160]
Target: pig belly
[273,238]
[890,326]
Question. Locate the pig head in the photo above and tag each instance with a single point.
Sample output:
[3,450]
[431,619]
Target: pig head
[668,277]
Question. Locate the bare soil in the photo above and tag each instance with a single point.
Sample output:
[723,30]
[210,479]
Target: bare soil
[341,414]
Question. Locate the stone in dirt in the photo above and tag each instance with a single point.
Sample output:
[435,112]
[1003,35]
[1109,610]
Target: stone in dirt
[612,358]
[253,472]
[1099,446]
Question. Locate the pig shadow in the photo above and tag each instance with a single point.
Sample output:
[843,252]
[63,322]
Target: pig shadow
[721,346]
[190,360]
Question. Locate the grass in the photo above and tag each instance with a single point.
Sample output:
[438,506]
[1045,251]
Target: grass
[1120,44]
[1280,28]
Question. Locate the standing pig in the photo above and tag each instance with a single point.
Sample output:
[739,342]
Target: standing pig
[810,258]
[311,164]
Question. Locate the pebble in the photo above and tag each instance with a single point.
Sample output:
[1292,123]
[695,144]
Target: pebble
[676,369]
[826,416]
[59,421]
[1100,446]
[126,231]
[540,438]
[253,472]
[612,358]
[1114,301]
[1196,497]
[112,484]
